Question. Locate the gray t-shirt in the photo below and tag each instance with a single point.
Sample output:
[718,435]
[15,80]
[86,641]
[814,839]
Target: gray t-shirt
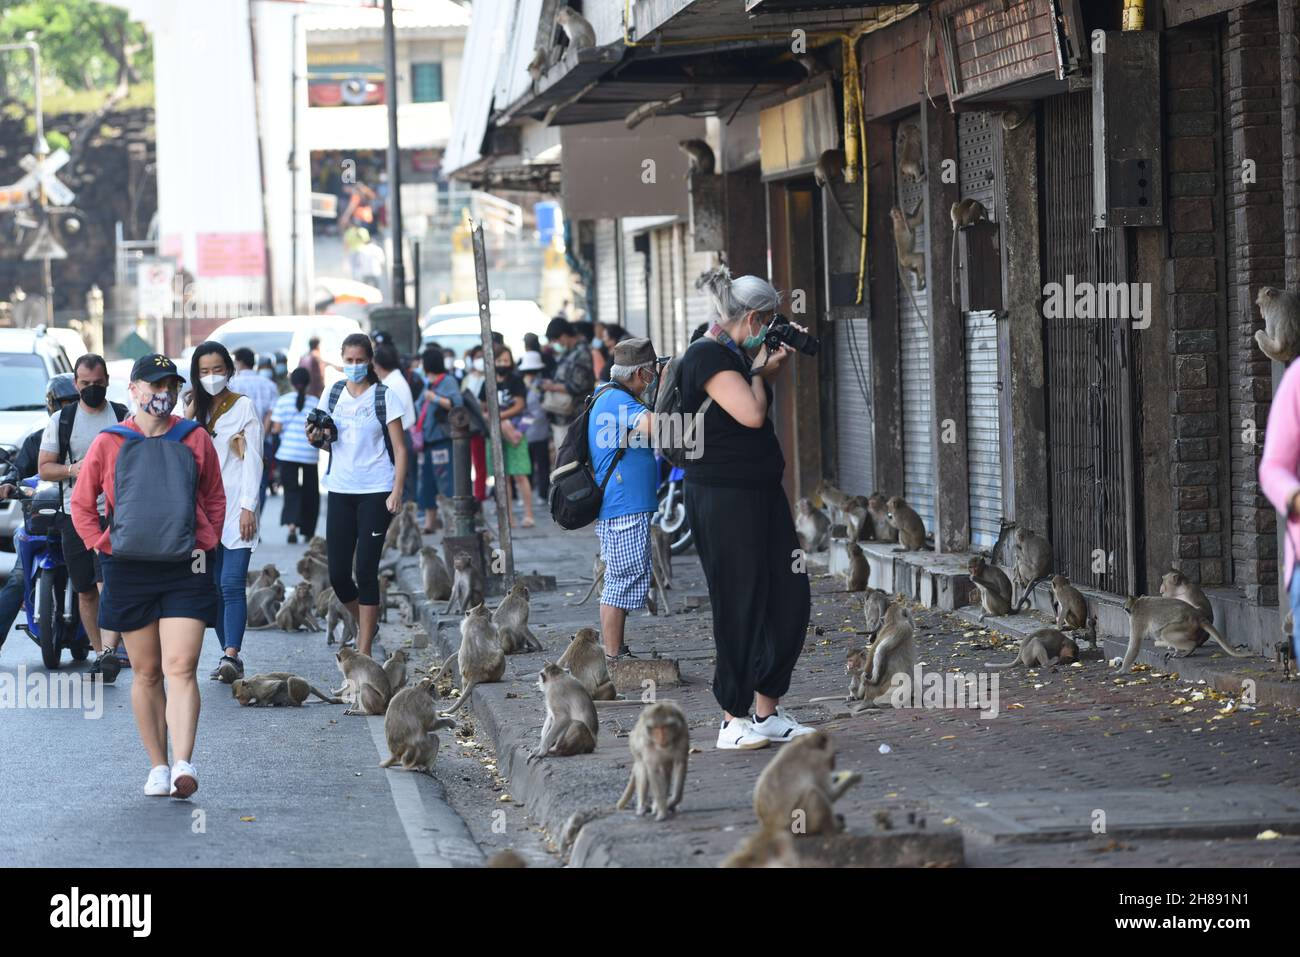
[85,426]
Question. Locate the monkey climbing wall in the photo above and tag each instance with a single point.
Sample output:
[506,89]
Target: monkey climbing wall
[1089,368]
[914,346]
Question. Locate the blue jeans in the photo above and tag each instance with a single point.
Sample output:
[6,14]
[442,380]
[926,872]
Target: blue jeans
[435,473]
[1295,613]
[230,572]
[11,600]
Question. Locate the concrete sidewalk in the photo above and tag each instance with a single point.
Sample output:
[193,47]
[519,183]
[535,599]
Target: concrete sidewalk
[1174,780]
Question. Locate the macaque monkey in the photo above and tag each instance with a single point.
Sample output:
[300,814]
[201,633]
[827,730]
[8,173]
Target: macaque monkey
[964,213]
[812,526]
[466,585]
[858,519]
[585,660]
[571,723]
[661,556]
[1071,608]
[365,686]
[321,606]
[994,587]
[1033,562]
[597,581]
[479,658]
[1173,624]
[395,670]
[836,500]
[264,602]
[856,664]
[1175,584]
[511,621]
[507,858]
[660,742]
[387,592]
[859,572]
[537,65]
[337,613]
[437,583]
[411,726]
[909,152]
[276,690]
[315,572]
[700,155]
[892,653]
[911,530]
[576,27]
[909,260]
[801,780]
[874,606]
[409,539]
[883,529]
[295,613]
[269,575]
[1280,337]
[1042,649]
[765,849]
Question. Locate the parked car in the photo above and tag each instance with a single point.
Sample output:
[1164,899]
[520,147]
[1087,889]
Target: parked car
[28,358]
[266,335]
[456,325]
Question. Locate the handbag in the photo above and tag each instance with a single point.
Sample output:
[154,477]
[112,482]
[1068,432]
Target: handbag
[557,403]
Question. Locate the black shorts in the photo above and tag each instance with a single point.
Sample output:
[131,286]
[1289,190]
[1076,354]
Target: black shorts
[82,562]
[137,593]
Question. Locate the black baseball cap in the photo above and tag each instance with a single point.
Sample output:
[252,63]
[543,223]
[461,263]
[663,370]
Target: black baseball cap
[154,368]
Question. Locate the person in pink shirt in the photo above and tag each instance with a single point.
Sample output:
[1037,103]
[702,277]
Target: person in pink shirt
[1279,476]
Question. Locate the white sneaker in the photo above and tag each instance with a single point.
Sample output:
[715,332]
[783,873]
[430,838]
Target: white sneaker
[160,781]
[184,780]
[738,735]
[780,727]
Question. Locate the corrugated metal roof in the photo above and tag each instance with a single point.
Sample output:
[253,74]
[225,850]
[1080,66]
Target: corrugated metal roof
[485,47]
[430,15]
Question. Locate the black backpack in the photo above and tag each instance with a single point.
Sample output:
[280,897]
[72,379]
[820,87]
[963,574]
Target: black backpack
[66,417]
[575,496]
[381,413]
[668,405]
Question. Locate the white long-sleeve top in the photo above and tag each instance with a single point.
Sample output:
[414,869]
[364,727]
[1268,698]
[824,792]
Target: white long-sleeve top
[242,478]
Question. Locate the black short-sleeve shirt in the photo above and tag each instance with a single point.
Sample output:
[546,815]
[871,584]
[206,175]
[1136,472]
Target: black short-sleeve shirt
[731,453]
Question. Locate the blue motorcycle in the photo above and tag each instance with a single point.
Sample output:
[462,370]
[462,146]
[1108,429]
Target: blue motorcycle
[49,603]
[671,513]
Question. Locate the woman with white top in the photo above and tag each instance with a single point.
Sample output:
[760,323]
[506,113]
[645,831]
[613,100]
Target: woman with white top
[364,478]
[236,430]
[296,458]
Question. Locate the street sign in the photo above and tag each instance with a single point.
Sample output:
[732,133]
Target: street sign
[154,279]
[42,174]
[45,246]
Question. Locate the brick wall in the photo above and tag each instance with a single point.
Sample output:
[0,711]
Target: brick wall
[1254,258]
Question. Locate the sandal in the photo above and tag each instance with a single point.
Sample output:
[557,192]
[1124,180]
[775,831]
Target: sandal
[624,652]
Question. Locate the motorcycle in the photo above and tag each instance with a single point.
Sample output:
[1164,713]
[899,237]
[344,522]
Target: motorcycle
[671,514]
[49,603]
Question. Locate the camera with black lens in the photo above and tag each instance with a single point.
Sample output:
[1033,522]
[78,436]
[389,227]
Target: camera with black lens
[783,333]
[320,421]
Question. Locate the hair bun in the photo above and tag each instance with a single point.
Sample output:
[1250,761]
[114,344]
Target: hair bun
[717,280]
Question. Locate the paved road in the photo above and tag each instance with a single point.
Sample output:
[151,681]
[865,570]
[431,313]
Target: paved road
[277,787]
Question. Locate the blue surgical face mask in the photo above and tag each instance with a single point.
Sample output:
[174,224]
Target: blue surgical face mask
[651,391]
[358,372]
[266,373]
[281,369]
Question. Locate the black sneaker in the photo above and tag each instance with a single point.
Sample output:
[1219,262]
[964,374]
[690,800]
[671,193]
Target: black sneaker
[293,538]
[229,669]
[107,665]
[624,652]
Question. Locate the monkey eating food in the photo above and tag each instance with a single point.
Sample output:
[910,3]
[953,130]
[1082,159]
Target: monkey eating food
[276,690]
[479,657]
[1173,624]
[1042,649]
[800,784]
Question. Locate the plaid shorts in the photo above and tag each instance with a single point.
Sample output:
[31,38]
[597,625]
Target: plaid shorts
[625,547]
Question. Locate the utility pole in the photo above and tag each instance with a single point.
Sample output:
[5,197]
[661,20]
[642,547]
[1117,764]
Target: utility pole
[397,276]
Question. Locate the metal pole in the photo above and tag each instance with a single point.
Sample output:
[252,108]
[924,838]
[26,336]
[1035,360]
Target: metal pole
[415,318]
[397,284]
[462,502]
[494,408]
[268,291]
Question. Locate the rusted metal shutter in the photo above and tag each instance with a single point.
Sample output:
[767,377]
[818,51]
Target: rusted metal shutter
[914,321]
[606,301]
[853,427]
[1089,380]
[976,143]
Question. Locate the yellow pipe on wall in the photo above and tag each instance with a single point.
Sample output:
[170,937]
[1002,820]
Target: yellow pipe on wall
[1134,15]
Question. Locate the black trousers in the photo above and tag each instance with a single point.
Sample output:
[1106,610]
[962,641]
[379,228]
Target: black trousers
[301,506]
[540,452]
[747,546]
[356,524]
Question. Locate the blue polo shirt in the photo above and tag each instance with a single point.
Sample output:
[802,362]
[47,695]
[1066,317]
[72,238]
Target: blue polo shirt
[632,487]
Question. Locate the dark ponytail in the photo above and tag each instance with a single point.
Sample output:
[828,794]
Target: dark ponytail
[363,340]
[300,378]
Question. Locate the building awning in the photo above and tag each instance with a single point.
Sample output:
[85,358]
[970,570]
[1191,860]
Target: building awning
[429,15]
[684,21]
[420,126]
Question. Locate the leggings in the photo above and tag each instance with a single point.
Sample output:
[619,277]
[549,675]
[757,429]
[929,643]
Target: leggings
[301,506]
[746,542]
[356,524]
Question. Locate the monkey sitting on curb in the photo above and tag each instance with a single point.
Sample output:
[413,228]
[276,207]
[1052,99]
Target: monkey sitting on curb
[585,660]
[994,587]
[1071,607]
[437,582]
[511,621]
[911,530]
[1173,624]
[812,526]
[571,724]
[466,585]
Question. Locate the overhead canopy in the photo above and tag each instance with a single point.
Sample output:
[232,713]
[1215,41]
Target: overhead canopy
[420,126]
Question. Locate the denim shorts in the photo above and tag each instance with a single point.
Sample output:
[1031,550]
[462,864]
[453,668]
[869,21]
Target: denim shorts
[138,593]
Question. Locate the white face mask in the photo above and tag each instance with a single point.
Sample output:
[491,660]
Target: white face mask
[213,384]
[478,365]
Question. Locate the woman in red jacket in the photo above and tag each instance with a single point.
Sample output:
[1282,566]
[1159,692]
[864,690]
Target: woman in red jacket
[158,589]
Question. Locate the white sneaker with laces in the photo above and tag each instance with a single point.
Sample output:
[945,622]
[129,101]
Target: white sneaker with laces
[160,781]
[738,735]
[184,779]
[780,727]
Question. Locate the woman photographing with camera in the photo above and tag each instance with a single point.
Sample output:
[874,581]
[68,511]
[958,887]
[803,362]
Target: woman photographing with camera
[362,430]
[737,508]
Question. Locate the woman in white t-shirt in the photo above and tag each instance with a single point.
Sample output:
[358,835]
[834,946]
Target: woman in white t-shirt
[364,480]
[236,430]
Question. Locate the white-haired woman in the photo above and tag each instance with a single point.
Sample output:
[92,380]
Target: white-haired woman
[739,515]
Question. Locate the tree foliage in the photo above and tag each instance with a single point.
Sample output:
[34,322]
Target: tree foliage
[86,45]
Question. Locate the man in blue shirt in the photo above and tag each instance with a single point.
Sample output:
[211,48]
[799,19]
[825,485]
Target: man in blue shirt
[620,417]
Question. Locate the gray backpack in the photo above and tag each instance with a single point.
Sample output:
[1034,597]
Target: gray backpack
[156,485]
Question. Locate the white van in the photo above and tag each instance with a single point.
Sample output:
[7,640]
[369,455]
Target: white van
[456,325]
[288,334]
